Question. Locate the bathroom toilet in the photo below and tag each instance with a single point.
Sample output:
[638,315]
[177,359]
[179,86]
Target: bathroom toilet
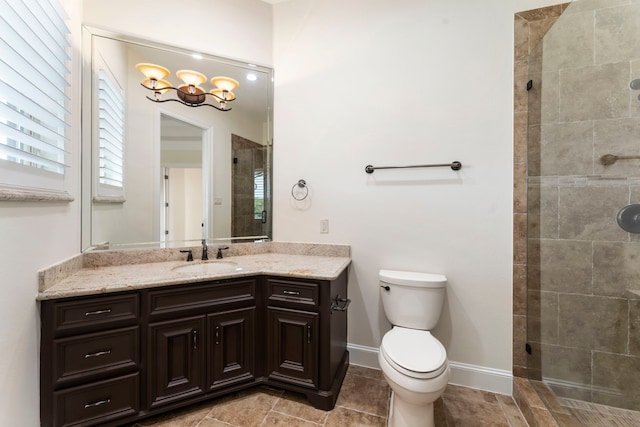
[412,360]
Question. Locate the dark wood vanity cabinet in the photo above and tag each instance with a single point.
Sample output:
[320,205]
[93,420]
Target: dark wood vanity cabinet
[115,358]
[176,360]
[200,338]
[307,336]
[90,360]
[231,344]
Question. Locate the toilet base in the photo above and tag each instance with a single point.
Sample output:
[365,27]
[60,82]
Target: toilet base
[405,414]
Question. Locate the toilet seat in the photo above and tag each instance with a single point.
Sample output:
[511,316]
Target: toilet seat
[414,353]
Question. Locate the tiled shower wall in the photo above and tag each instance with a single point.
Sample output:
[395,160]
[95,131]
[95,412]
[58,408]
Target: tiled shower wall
[248,156]
[583,323]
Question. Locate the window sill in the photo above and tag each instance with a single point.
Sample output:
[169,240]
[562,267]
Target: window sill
[17,194]
[109,199]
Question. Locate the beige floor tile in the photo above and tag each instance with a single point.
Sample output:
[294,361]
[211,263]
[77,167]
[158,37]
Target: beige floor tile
[363,401]
[278,419]
[342,417]
[246,409]
[365,395]
[457,392]
[297,406]
[210,422]
[462,413]
[511,411]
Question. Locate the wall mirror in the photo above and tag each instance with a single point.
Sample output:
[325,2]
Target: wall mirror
[182,174]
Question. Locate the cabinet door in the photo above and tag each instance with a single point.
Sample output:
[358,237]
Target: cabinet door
[292,346]
[176,359]
[231,343]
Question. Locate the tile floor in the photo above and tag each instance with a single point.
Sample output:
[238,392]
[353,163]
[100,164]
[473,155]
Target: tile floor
[363,401]
[586,414]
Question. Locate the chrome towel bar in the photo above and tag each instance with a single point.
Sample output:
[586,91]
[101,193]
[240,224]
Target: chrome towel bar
[453,165]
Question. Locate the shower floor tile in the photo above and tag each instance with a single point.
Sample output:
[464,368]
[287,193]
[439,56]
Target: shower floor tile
[589,414]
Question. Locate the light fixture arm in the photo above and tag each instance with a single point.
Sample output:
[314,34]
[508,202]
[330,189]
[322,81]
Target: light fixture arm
[222,101]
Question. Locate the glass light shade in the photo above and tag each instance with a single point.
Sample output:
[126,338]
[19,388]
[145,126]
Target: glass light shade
[221,96]
[152,71]
[161,86]
[224,83]
[191,77]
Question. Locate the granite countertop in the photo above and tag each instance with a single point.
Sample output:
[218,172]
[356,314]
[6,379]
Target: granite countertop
[86,277]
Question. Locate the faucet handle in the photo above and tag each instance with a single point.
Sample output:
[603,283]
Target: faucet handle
[190,256]
[220,249]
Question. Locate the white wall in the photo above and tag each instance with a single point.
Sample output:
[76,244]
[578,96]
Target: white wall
[238,29]
[401,83]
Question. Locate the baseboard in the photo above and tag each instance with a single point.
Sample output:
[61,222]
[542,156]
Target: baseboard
[462,374]
[363,356]
[479,377]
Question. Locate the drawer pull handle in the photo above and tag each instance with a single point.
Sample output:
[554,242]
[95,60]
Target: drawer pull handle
[291,292]
[98,403]
[308,334]
[95,313]
[97,354]
[217,335]
[195,340]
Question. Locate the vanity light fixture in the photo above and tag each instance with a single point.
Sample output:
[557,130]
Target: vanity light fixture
[190,93]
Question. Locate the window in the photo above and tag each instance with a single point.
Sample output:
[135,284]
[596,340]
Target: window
[110,132]
[34,81]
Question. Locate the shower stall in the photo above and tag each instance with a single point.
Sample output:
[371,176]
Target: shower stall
[582,229]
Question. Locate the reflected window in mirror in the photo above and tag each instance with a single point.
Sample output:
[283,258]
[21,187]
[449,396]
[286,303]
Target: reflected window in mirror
[111,113]
[258,194]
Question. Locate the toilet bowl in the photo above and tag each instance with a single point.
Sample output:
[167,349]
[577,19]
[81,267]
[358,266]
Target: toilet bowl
[412,360]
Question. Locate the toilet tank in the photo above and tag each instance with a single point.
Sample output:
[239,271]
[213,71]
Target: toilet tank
[411,299]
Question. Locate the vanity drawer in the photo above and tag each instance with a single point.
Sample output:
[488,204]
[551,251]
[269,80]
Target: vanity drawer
[83,356]
[202,298]
[293,292]
[97,403]
[96,312]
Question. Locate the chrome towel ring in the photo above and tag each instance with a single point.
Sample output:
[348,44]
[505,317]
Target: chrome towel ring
[301,195]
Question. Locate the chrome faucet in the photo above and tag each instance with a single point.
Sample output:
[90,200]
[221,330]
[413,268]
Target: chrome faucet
[204,250]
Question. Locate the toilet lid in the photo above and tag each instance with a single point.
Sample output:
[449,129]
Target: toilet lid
[414,352]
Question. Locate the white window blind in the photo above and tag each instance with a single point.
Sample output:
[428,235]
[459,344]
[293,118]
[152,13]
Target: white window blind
[258,193]
[110,131]
[34,119]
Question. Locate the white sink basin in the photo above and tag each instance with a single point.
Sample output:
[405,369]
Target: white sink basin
[210,267]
